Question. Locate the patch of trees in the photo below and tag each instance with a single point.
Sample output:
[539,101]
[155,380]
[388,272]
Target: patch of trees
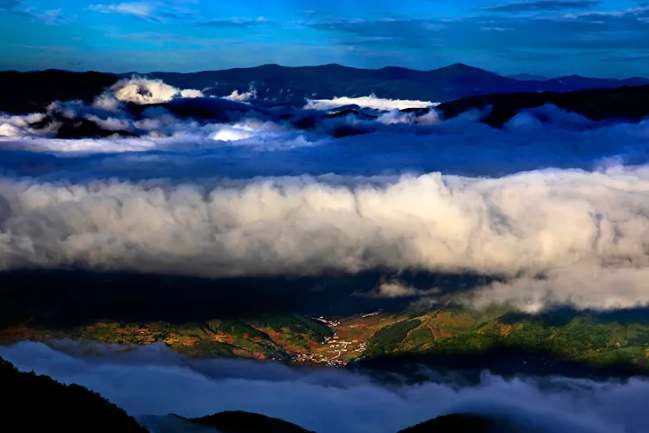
[388,337]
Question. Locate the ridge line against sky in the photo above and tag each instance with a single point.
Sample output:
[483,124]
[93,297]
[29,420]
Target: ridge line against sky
[145,73]
[598,38]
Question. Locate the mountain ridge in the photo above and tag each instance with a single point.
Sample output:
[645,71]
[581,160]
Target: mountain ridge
[24,92]
[250,422]
[58,407]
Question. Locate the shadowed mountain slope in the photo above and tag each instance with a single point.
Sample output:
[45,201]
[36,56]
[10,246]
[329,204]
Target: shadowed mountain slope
[597,104]
[39,404]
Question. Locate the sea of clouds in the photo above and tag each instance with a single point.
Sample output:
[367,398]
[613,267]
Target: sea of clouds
[152,381]
[556,204]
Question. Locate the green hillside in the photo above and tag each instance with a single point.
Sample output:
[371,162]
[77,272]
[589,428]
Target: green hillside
[580,338]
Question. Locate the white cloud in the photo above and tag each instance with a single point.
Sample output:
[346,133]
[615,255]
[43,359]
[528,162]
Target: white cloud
[395,289]
[366,102]
[527,223]
[232,134]
[396,117]
[144,91]
[110,124]
[582,287]
[138,9]
[21,126]
[242,97]
[107,102]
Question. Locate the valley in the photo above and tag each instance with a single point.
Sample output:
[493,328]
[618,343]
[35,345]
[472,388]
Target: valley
[338,341]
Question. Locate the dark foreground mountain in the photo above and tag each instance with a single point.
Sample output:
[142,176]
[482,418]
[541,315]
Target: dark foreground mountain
[34,403]
[33,91]
[461,423]
[246,422]
[28,92]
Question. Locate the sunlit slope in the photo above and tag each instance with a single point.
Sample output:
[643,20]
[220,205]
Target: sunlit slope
[582,338]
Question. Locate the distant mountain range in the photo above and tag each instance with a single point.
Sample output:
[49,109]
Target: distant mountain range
[274,84]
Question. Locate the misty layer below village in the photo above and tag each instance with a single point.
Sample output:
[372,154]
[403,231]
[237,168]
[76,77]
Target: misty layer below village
[152,382]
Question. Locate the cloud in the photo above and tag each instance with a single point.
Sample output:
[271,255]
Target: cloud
[231,22]
[21,126]
[317,12]
[242,97]
[585,33]
[17,7]
[582,287]
[52,17]
[159,11]
[14,7]
[542,5]
[153,381]
[413,33]
[634,56]
[399,117]
[393,288]
[526,223]
[367,102]
[138,9]
[168,39]
[144,91]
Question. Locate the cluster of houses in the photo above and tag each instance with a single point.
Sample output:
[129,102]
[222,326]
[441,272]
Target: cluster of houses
[320,358]
[335,345]
[375,313]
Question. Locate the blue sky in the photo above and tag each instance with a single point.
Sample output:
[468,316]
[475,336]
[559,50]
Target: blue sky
[549,37]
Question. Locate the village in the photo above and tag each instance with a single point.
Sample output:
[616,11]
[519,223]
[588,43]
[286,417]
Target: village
[349,340]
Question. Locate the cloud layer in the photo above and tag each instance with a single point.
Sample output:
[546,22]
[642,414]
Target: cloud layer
[528,223]
[554,202]
[153,381]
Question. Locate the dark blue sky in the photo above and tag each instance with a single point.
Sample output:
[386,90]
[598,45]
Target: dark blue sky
[550,37]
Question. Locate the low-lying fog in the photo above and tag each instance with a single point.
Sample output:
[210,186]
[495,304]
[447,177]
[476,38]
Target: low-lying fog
[154,381]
